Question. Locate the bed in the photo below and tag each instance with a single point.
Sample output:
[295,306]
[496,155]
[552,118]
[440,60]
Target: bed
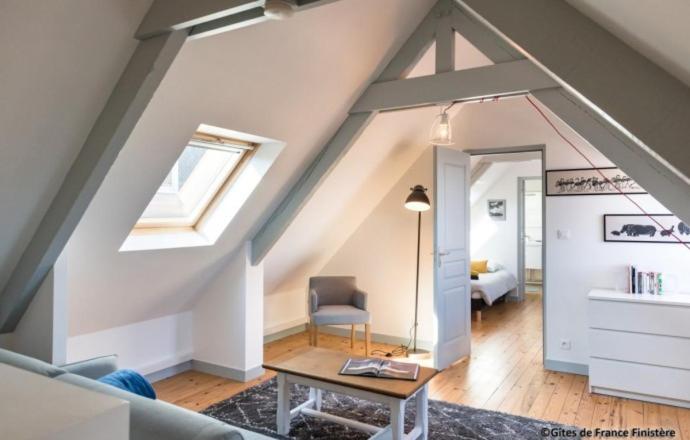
[490,288]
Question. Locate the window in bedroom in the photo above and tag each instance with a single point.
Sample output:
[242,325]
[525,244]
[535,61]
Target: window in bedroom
[205,168]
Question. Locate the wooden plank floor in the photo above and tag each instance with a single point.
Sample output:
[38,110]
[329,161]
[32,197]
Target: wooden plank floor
[505,373]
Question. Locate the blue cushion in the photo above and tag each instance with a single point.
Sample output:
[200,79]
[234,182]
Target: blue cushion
[130,380]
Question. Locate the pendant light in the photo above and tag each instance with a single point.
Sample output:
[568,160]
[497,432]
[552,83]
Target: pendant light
[441,131]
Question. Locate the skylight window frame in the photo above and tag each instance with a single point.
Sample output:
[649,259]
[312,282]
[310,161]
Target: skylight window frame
[209,142]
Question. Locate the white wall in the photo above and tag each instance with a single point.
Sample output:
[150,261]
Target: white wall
[584,261]
[577,265]
[61,61]
[228,319]
[658,39]
[276,81]
[494,239]
[573,266]
[382,154]
[147,346]
[382,255]
[285,309]
[42,331]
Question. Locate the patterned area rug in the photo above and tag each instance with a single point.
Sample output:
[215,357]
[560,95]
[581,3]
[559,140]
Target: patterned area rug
[255,410]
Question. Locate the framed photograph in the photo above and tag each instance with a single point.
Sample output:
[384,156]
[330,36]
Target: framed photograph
[639,228]
[497,209]
[589,182]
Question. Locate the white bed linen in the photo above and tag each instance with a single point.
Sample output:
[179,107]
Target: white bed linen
[491,286]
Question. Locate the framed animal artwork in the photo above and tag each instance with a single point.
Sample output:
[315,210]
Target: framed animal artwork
[590,182]
[640,228]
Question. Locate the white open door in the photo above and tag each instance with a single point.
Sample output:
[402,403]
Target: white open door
[451,256]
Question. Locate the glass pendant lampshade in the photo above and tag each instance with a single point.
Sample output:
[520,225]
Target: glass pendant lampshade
[441,131]
[418,200]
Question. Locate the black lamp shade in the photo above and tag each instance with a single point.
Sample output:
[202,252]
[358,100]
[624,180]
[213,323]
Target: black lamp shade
[418,200]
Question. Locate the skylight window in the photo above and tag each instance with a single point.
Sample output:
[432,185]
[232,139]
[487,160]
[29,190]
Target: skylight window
[206,166]
[204,189]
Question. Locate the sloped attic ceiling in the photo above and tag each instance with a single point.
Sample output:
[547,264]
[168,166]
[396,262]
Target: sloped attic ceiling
[293,81]
[61,60]
[657,30]
[379,158]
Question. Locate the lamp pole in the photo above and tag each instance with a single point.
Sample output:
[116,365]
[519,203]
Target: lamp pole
[416,291]
[417,201]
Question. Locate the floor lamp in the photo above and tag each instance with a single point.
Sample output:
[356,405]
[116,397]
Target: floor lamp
[417,201]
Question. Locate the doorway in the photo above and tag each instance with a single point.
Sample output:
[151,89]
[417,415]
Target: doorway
[509,217]
[530,236]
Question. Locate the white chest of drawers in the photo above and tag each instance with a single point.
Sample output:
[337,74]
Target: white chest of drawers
[639,346]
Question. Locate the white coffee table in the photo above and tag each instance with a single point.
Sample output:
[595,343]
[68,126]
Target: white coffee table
[318,369]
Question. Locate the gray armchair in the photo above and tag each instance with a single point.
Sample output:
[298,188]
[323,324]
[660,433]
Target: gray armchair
[338,301]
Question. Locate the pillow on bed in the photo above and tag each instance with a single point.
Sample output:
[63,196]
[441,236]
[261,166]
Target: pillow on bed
[493,266]
[479,266]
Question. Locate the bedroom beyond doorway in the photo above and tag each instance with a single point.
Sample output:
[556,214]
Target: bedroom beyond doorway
[506,234]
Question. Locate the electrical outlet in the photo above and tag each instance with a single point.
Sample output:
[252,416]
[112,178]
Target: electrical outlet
[565,344]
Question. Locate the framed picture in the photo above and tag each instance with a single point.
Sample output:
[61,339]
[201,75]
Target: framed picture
[497,209]
[589,182]
[639,228]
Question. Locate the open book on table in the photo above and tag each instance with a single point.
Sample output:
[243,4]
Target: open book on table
[380,368]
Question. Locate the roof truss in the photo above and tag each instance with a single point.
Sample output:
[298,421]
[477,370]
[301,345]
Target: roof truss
[392,91]
[616,142]
[498,80]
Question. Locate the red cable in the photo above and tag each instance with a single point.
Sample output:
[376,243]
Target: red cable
[606,179]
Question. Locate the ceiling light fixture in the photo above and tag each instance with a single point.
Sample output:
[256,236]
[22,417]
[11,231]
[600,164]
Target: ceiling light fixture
[279,9]
[441,131]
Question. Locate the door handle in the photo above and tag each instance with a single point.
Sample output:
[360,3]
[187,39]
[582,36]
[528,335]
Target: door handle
[441,254]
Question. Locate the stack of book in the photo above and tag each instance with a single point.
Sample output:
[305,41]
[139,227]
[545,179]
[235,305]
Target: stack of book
[644,282]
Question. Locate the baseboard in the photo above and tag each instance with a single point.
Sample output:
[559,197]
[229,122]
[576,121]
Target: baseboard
[169,372]
[293,330]
[566,367]
[285,325]
[227,372]
[376,337]
[153,368]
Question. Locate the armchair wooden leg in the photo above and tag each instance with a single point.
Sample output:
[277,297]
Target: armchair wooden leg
[352,336]
[367,338]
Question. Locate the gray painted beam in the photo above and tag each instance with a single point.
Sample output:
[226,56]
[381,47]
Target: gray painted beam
[400,65]
[512,78]
[666,186]
[649,106]
[445,40]
[168,15]
[496,49]
[225,24]
[208,17]
[302,191]
[127,102]
[413,50]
